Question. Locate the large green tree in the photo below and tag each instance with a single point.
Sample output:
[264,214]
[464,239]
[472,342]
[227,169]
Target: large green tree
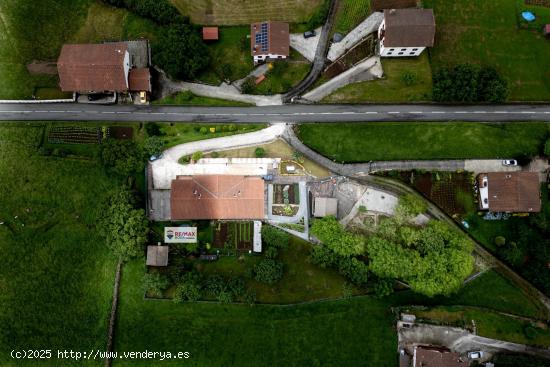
[331,233]
[121,156]
[434,259]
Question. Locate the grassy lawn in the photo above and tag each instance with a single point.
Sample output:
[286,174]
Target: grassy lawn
[490,33]
[277,149]
[349,14]
[233,49]
[283,76]
[189,99]
[490,324]
[328,333]
[394,141]
[178,133]
[241,12]
[57,273]
[392,87]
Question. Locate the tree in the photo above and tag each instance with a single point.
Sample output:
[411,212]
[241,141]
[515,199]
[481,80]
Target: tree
[155,284]
[383,287]
[354,270]
[120,156]
[435,260]
[248,86]
[410,206]
[323,256]
[500,241]
[152,129]
[329,231]
[153,145]
[259,152]
[180,51]
[275,237]
[124,227]
[268,271]
[491,86]
[547,148]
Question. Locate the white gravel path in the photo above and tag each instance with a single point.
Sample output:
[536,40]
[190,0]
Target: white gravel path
[167,168]
[369,69]
[366,27]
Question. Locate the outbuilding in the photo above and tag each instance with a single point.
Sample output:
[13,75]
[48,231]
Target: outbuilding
[323,207]
[157,255]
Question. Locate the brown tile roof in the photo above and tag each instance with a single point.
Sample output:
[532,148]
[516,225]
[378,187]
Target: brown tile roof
[157,255]
[379,5]
[514,192]
[139,80]
[409,28]
[210,33]
[437,357]
[278,39]
[217,197]
[92,67]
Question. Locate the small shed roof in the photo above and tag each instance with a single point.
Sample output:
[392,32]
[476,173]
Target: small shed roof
[157,255]
[547,29]
[210,33]
[325,206]
[140,80]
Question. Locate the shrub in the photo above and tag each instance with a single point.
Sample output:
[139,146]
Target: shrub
[500,241]
[408,78]
[196,156]
[189,289]
[347,291]
[530,332]
[259,152]
[218,129]
[410,206]
[547,148]
[153,129]
[329,231]
[250,297]
[155,284]
[160,11]
[236,286]
[153,145]
[248,86]
[185,159]
[354,270]
[225,297]
[323,256]
[383,287]
[232,127]
[215,154]
[271,253]
[203,130]
[268,271]
[226,71]
[275,237]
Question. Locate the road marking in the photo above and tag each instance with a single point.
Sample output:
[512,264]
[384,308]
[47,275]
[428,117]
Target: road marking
[502,112]
[438,112]
[370,112]
[123,112]
[527,112]
[416,112]
[460,112]
[394,112]
[108,112]
[480,111]
[56,111]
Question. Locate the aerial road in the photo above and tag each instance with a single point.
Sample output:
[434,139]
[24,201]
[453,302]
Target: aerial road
[293,113]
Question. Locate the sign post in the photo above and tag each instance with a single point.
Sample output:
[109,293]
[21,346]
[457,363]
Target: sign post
[180,234]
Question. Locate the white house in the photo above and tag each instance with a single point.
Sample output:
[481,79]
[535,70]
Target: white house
[269,41]
[406,32]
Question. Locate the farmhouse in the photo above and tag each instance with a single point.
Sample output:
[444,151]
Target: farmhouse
[104,68]
[511,192]
[269,41]
[226,197]
[406,32]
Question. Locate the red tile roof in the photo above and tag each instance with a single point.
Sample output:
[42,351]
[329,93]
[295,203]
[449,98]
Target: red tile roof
[217,197]
[210,33]
[514,192]
[139,80]
[92,67]
[278,39]
[437,357]
[409,28]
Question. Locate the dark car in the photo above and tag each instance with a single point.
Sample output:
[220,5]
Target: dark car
[309,34]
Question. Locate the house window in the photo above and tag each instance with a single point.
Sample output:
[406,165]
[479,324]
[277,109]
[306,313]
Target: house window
[392,49]
[400,53]
[389,53]
[403,49]
[415,49]
[411,53]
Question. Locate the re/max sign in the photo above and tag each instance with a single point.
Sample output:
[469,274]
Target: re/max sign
[180,234]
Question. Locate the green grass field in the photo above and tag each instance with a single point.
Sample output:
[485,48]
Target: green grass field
[394,141]
[349,14]
[392,87]
[175,134]
[490,33]
[57,273]
[241,12]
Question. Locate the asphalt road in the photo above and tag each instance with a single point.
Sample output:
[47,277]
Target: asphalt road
[273,114]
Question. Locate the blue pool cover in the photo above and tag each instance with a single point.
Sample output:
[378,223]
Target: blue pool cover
[528,16]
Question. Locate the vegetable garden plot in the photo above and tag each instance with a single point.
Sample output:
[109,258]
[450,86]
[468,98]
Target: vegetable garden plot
[74,135]
[237,235]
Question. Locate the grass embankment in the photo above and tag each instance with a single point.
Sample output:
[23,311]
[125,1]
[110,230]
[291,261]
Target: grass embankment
[491,33]
[174,134]
[57,273]
[395,141]
[404,80]
[189,99]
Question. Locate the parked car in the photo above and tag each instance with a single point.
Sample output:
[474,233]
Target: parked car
[309,34]
[475,354]
[268,177]
[509,162]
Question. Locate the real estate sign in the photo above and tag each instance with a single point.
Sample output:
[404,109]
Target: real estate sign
[180,234]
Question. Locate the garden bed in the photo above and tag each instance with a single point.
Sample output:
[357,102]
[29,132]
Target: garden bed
[234,235]
[285,210]
[286,194]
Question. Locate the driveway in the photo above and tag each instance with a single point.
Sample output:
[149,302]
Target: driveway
[164,170]
[366,27]
[306,46]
